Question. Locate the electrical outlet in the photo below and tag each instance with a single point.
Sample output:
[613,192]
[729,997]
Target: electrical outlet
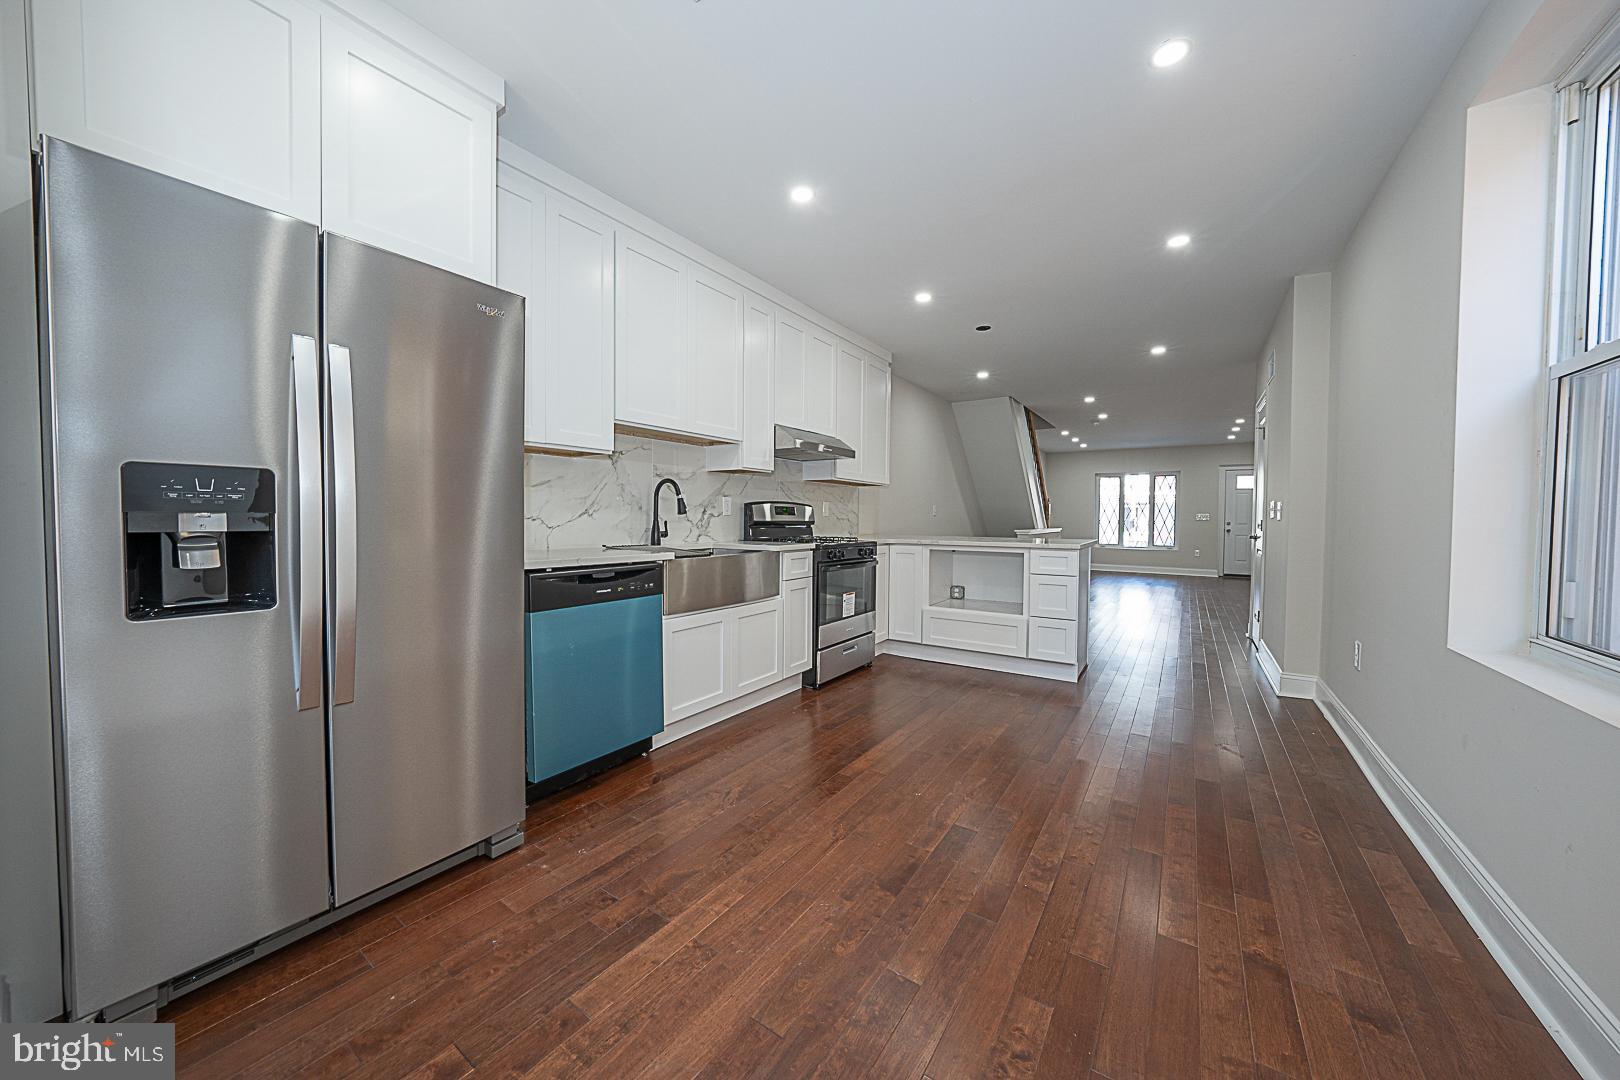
[933,511]
[725,506]
[958,592]
[1196,553]
[1357,656]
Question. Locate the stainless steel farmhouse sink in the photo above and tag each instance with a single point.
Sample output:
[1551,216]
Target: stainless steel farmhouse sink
[723,579]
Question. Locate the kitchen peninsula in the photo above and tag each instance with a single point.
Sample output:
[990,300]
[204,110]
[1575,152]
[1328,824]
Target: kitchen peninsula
[1011,605]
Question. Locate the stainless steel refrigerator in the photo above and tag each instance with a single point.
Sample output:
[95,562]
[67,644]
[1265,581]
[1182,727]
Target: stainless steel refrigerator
[283,490]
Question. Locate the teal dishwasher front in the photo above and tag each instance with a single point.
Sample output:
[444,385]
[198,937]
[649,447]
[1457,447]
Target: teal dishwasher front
[594,681]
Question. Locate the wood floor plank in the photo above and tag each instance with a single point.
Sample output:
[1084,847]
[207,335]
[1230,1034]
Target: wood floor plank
[1163,870]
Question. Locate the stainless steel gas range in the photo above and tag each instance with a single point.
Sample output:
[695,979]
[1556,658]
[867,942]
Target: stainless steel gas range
[844,613]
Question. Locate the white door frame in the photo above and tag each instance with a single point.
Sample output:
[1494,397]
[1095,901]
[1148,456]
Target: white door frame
[1257,559]
[1225,517]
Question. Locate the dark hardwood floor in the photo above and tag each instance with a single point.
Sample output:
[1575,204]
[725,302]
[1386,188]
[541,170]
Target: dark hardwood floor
[930,871]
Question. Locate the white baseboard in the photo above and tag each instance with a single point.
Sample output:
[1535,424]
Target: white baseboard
[1013,665]
[1584,1027]
[1285,683]
[1165,571]
[680,729]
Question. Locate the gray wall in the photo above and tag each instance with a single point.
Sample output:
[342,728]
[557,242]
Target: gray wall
[1298,423]
[1527,783]
[930,491]
[1071,480]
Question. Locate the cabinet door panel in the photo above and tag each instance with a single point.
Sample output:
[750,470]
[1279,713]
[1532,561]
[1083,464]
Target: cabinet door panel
[906,592]
[717,355]
[578,326]
[976,631]
[820,363]
[847,400]
[650,297]
[1053,597]
[791,339]
[225,94]
[796,604]
[1053,640]
[520,215]
[697,661]
[874,449]
[758,641]
[407,155]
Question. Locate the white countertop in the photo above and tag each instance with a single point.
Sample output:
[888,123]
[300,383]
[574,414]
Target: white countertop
[755,545]
[1057,543]
[553,558]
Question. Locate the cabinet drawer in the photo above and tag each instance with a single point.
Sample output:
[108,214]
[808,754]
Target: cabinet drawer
[1056,563]
[1053,597]
[975,631]
[1055,640]
[797,564]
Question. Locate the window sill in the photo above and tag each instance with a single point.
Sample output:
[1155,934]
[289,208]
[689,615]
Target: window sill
[1569,681]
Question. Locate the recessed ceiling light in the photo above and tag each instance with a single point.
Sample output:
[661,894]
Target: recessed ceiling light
[802,194]
[1178,241]
[982,375]
[1239,420]
[1171,53]
[1075,439]
[924,298]
[1158,350]
[1102,416]
[1090,399]
[1084,445]
[1231,436]
[1063,433]
[1237,429]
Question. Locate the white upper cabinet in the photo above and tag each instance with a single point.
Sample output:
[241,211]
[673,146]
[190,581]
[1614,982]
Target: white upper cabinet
[558,254]
[861,418]
[679,344]
[716,355]
[225,94]
[820,354]
[756,452]
[289,105]
[407,155]
[875,393]
[792,335]
[652,387]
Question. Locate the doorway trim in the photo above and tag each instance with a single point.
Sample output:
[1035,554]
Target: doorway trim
[1226,470]
[1257,560]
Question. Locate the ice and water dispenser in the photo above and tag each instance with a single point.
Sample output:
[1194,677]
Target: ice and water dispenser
[198,539]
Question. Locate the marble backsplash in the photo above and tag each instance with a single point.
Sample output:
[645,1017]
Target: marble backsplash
[588,501]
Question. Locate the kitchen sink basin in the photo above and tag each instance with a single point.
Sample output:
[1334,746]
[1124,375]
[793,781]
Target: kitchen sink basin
[678,552]
[725,578]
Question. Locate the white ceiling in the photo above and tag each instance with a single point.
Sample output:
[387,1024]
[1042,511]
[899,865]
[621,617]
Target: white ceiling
[1020,159]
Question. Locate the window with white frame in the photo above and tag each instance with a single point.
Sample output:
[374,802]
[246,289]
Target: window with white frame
[1136,510]
[1581,605]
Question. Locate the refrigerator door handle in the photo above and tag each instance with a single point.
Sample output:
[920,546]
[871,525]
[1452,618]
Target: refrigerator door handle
[306,401]
[340,390]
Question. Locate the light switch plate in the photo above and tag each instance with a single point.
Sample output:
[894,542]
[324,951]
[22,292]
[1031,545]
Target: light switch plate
[725,506]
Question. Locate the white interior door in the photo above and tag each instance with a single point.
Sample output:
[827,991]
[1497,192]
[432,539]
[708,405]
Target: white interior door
[1237,510]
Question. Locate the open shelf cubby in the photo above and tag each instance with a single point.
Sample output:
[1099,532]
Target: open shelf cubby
[993,581]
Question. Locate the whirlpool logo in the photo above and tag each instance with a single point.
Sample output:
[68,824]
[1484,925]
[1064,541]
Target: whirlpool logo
[128,1050]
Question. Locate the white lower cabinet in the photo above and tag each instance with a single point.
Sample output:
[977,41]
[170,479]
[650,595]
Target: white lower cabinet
[976,631]
[758,646]
[797,599]
[908,591]
[881,601]
[1050,597]
[697,661]
[1055,640]
[711,657]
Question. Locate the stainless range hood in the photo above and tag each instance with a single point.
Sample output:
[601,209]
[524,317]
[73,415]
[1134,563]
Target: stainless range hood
[797,444]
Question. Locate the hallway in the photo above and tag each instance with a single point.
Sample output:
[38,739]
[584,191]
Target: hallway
[926,870]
